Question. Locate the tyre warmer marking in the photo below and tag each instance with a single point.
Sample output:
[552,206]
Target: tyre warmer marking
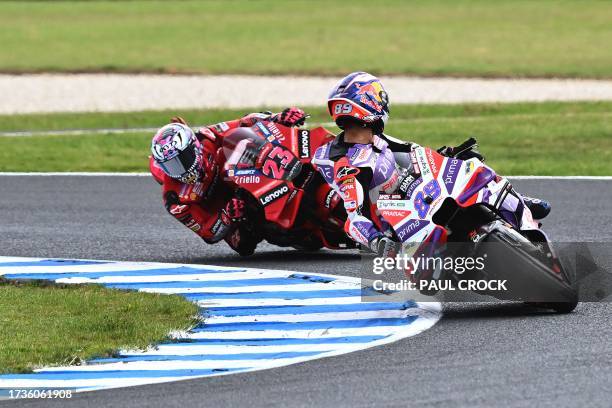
[253,319]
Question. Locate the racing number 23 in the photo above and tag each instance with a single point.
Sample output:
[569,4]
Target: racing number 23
[270,167]
[433,190]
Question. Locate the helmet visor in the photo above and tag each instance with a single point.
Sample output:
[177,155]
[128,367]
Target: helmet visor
[180,164]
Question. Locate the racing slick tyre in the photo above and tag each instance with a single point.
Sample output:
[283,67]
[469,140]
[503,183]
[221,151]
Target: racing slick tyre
[512,257]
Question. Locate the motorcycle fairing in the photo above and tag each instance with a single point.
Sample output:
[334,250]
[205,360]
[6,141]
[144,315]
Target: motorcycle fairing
[468,182]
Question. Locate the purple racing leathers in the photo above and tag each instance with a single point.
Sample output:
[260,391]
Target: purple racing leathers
[359,173]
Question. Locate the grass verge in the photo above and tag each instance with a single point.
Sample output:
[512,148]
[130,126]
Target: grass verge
[44,324]
[517,139]
[437,37]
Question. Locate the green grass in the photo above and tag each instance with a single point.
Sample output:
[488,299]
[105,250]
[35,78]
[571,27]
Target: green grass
[433,37]
[517,139]
[45,324]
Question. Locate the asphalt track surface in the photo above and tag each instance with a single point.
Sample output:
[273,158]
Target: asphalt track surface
[477,355]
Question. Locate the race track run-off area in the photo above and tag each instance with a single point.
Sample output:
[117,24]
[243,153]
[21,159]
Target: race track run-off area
[252,319]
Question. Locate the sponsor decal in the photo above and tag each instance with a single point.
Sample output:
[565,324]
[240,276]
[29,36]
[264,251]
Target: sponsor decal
[394,213]
[395,216]
[276,133]
[413,186]
[221,127]
[347,185]
[304,143]
[356,233]
[219,228]
[422,161]
[328,198]
[363,155]
[245,172]
[372,95]
[350,205]
[248,179]
[266,132]
[178,209]
[384,166]
[346,171]
[391,183]
[406,182]
[410,228]
[415,164]
[326,172]
[274,194]
[390,203]
[450,174]
[193,225]
[292,195]
[434,162]
[390,197]
[186,192]
[469,166]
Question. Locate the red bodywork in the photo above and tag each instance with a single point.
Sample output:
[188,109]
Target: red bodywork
[271,163]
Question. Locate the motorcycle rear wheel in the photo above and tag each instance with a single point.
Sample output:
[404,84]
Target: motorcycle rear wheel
[556,292]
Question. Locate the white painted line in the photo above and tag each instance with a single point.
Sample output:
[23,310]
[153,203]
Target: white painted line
[294,334]
[173,365]
[189,277]
[306,287]
[189,349]
[119,131]
[312,317]
[347,300]
[434,119]
[77,132]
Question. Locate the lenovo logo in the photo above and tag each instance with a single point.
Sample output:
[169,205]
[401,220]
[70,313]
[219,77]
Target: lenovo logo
[274,194]
[304,144]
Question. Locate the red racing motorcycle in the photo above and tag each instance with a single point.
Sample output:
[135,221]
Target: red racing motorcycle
[288,203]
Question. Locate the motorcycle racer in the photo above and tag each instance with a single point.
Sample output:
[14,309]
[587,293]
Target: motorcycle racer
[362,161]
[187,164]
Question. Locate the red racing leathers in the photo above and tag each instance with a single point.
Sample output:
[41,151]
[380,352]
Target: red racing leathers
[201,206]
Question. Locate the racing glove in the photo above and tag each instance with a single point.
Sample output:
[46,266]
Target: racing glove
[235,210]
[466,150]
[252,118]
[290,117]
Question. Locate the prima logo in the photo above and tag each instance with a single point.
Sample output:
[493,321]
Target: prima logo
[274,194]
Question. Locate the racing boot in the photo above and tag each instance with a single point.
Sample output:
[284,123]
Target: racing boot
[539,208]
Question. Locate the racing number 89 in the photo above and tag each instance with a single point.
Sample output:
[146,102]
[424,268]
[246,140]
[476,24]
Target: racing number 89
[342,108]
[433,190]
